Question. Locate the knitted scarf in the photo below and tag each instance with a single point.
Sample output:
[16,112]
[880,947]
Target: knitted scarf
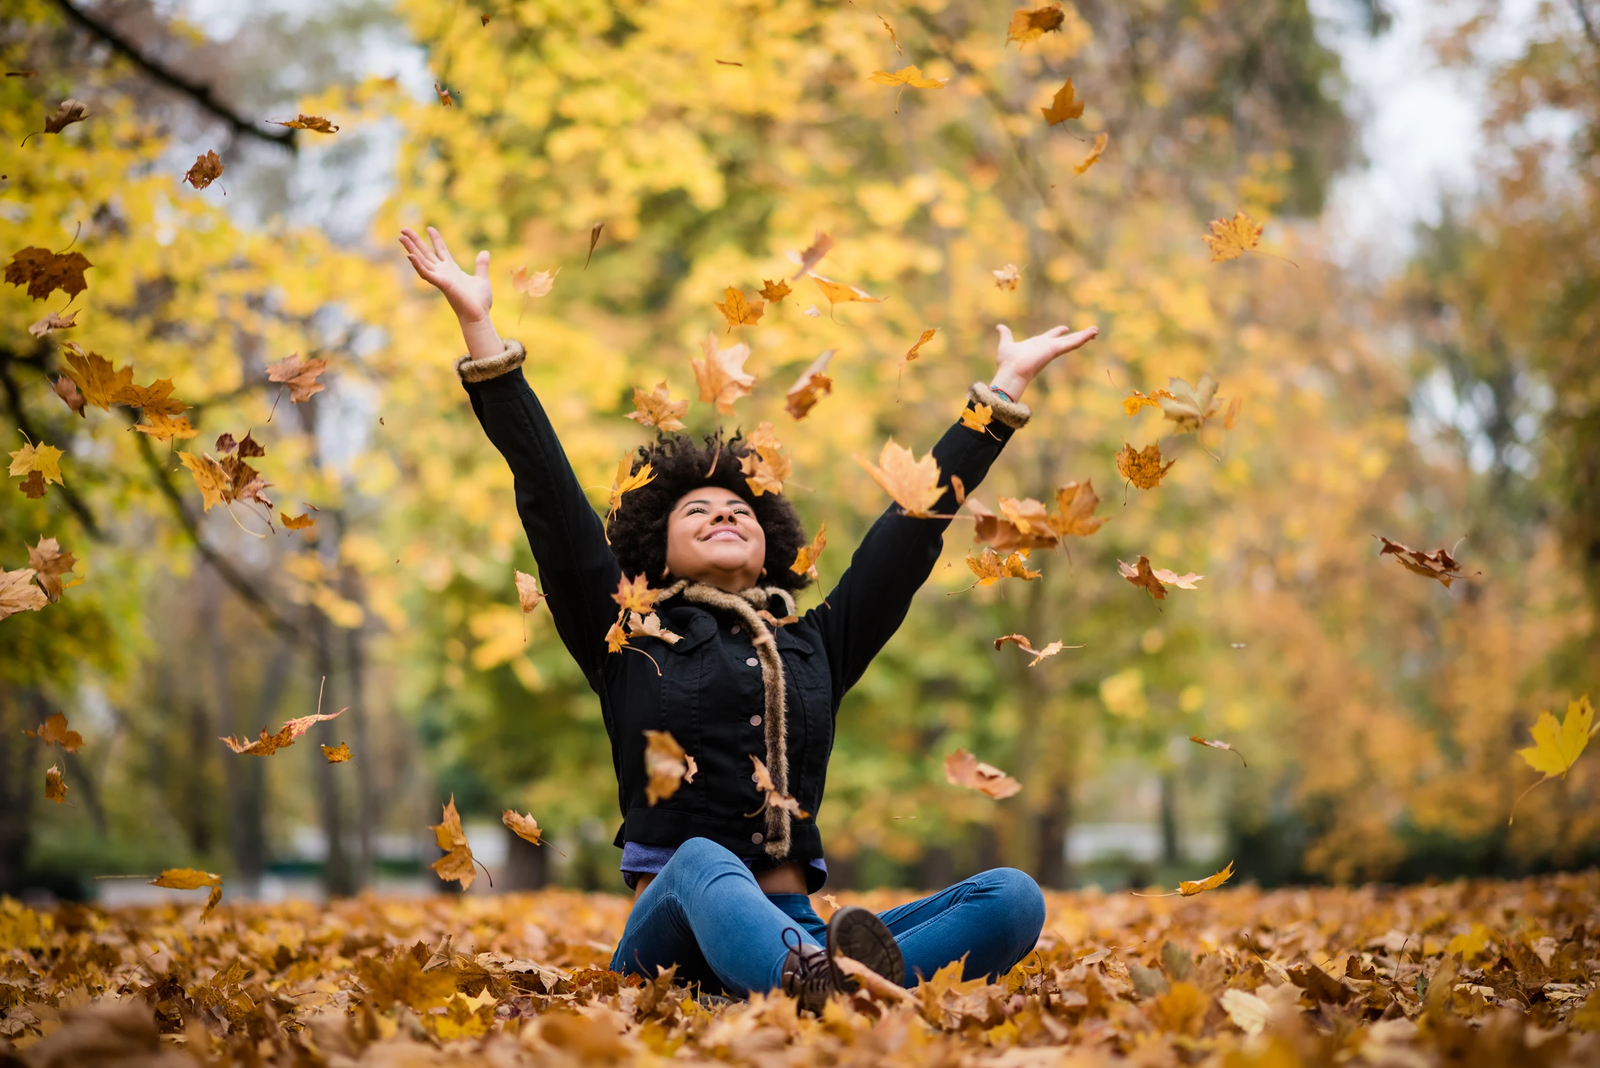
[745,605]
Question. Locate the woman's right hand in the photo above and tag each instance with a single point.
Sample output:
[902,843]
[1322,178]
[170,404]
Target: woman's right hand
[470,295]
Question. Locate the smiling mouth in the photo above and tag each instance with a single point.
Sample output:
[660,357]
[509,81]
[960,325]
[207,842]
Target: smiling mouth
[724,534]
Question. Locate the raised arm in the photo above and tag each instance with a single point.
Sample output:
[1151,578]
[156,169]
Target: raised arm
[899,552]
[577,569]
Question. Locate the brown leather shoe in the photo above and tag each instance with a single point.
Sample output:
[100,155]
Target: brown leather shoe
[809,973]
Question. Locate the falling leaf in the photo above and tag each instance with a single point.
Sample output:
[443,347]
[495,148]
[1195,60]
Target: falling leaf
[1021,524]
[913,483]
[916,350]
[765,467]
[44,272]
[667,766]
[525,827]
[52,322]
[1064,106]
[594,239]
[978,417]
[67,390]
[1231,419]
[1556,747]
[164,427]
[228,480]
[1156,580]
[1143,467]
[649,626]
[839,293]
[1031,25]
[156,397]
[209,476]
[297,522]
[1007,277]
[95,377]
[33,486]
[268,744]
[337,754]
[772,797]
[1075,505]
[1021,642]
[1096,150]
[483,19]
[55,788]
[812,312]
[805,560]
[51,563]
[535,283]
[774,291]
[809,387]
[721,374]
[635,594]
[961,768]
[989,567]
[44,459]
[658,409]
[456,864]
[1212,743]
[528,595]
[1189,888]
[728,63]
[1189,407]
[627,483]
[207,169]
[53,731]
[308,122]
[1231,238]
[299,374]
[906,77]
[192,879]
[737,310]
[616,637]
[893,39]
[18,593]
[1438,564]
[443,95]
[820,246]
[1136,400]
[67,112]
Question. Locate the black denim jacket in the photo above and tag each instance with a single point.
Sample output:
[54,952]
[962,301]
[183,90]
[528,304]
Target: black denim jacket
[709,693]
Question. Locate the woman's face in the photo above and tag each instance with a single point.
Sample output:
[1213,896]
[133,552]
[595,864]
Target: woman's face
[713,537]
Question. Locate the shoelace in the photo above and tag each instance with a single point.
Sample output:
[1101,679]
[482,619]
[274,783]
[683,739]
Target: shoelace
[811,972]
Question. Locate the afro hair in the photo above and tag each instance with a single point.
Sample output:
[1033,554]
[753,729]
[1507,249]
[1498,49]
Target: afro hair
[638,528]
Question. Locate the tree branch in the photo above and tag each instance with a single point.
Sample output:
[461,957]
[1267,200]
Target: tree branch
[200,94]
[1588,24]
[15,410]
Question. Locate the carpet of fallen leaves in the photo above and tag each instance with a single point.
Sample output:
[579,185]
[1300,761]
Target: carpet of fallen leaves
[1479,973]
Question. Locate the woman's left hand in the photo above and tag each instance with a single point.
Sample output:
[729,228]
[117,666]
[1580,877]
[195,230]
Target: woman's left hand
[1019,361]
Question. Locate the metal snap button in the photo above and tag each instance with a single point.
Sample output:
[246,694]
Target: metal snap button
[734,629]
[751,661]
[757,837]
[755,721]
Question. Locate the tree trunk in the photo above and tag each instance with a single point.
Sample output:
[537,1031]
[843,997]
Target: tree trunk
[337,876]
[21,781]
[527,865]
[1054,872]
[1169,817]
[366,796]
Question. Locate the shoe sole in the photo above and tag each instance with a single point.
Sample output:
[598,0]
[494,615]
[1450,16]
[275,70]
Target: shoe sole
[859,934]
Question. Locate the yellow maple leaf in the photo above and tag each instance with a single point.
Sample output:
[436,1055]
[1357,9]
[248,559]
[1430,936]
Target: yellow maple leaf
[658,409]
[157,396]
[906,77]
[1007,277]
[96,379]
[667,766]
[1064,106]
[50,563]
[913,483]
[45,459]
[214,482]
[1556,747]
[165,427]
[738,310]
[456,864]
[463,1017]
[625,482]
[1191,887]
[1030,25]
[307,122]
[533,283]
[978,417]
[765,467]
[1143,467]
[525,827]
[809,387]
[721,375]
[1231,238]
[635,594]
[990,567]
[186,879]
[1097,150]
[805,560]
[297,522]
[1075,505]
[772,292]
[840,293]
[336,754]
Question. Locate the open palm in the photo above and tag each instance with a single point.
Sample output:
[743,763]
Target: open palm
[470,295]
[1017,362]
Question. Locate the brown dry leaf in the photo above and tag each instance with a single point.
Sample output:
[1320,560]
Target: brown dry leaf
[45,460]
[805,560]
[1189,888]
[916,350]
[738,310]
[19,593]
[1189,407]
[624,482]
[47,559]
[156,397]
[1075,505]
[67,112]
[1030,25]
[1021,525]
[1064,106]
[1214,744]
[978,417]
[55,788]
[839,293]
[772,797]
[268,744]
[809,387]
[989,567]
[44,272]
[649,626]
[165,427]
[1141,574]
[209,476]
[336,754]
[456,864]
[33,486]
[229,479]
[1143,467]
[1438,564]
[53,731]
[773,292]
[1021,642]
[67,390]
[820,246]
[297,522]
[52,322]
[667,765]
[207,169]
[192,879]
[308,122]
[528,595]
[721,374]
[913,483]
[1096,150]
[299,374]
[444,95]
[1172,578]
[594,239]
[95,377]
[874,984]
[1231,238]
[1007,277]
[961,768]
[535,283]
[765,467]
[658,409]
[894,40]
[525,827]
[635,594]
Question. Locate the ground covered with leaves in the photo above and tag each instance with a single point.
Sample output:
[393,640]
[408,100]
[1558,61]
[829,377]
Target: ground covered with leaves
[1466,973]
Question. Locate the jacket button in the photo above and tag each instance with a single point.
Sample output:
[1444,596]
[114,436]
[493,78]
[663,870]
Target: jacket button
[734,629]
[751,661]
[756,838]
[755,721]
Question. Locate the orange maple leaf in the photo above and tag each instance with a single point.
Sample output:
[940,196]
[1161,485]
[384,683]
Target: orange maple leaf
[721,374]
[961,768]
[913,483]
[809,387]
[738,310]
[658,409]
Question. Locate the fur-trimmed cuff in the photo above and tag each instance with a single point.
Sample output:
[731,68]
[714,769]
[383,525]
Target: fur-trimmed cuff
[1013,414]
[470,370]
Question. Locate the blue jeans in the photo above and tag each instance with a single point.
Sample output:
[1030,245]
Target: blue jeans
[706,914]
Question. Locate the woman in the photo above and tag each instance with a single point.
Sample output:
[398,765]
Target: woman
[721,878]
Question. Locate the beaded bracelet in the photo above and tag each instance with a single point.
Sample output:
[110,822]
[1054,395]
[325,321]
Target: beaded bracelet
[1003,393]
